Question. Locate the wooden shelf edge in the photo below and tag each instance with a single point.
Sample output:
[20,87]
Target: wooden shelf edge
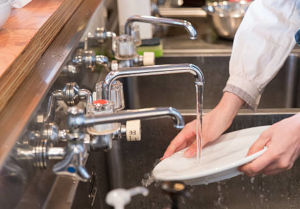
[24,63]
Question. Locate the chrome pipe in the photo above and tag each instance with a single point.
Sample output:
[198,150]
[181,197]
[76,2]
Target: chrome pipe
[148,71]
[158,20]
[78,120]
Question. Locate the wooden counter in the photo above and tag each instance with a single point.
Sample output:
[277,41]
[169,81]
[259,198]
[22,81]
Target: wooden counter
[24,38]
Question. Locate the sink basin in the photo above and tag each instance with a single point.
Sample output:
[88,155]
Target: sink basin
[179,90]
[137,159]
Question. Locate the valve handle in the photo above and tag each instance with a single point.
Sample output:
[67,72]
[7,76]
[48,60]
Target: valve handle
[118,198]
[72,165]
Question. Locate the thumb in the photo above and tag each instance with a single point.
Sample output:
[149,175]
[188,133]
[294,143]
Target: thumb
[260,143]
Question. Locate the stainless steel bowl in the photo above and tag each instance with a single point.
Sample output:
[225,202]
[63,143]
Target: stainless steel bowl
[226,16]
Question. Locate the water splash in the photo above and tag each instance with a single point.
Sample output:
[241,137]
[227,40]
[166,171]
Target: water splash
[148,177]
[147,180]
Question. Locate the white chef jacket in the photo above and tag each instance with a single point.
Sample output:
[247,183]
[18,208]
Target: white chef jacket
[261,45]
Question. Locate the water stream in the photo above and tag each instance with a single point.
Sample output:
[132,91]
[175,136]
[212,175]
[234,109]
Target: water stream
[199,114]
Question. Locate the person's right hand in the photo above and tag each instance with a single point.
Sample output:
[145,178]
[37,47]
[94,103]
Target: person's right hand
[214,124]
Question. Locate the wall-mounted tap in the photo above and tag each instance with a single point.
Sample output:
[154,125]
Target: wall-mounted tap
[158,20]
[148,71]
[71,94]
[125,44]
[43,147]
[104,127]
[78,145]
[101,127]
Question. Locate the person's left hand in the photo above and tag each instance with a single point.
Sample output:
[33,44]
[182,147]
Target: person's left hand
[283,142]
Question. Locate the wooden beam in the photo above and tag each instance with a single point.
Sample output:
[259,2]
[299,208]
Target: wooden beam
[26,36]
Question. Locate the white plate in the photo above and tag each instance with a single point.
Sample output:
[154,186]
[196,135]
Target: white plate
[219,160]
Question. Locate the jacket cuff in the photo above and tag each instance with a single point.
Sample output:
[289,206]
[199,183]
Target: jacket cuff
[244,89]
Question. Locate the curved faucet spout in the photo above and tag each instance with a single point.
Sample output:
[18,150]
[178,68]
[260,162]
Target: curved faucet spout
[158,20]
[122,116]
[148,71]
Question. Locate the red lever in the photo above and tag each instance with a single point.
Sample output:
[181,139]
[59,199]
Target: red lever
[100,101]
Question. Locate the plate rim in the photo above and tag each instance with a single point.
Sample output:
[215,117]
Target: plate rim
[238,163]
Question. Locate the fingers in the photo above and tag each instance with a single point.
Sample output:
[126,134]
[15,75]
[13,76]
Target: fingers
[272,169]
[191,151]
[278,166]
[260,143]
[258,165]
[181,140]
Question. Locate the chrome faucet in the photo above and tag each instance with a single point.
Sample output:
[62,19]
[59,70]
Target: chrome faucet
[78,147]
[158,20]
[77,119]
[148,71]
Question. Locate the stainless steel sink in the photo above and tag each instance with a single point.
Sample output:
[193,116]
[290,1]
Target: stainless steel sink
[137,159]
[179,91]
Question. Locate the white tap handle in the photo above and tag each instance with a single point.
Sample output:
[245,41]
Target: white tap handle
[133,130]
[138,190]
[148,58]
[118,198]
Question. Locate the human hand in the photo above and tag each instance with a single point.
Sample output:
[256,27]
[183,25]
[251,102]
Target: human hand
[214,124]
[283,142]
[187,137]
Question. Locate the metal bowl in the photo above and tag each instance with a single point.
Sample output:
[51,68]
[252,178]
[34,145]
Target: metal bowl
[226,16]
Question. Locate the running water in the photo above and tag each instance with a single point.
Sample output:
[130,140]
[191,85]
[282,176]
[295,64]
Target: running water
[199,113]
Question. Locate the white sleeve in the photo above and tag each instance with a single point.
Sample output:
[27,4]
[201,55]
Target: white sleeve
[261,45]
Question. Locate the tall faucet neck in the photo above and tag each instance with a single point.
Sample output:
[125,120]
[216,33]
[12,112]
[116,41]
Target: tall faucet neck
[158,20]
[148,71]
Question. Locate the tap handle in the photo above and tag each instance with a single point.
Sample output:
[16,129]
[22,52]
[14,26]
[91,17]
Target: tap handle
[72,165]
[50,114]
[70,93]
[118,198]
